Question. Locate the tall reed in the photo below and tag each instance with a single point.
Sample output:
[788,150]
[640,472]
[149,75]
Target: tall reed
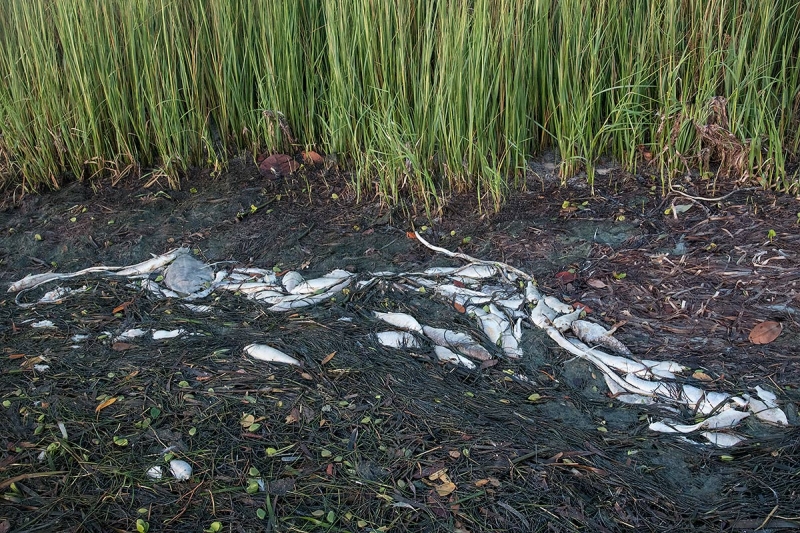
[417,99]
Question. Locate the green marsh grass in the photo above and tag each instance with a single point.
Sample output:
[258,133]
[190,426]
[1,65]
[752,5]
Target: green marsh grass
[416,99]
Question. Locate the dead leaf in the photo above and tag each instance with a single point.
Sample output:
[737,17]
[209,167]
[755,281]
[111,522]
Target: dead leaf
[566,276]
[460,308]
[105,404]
[121,346]
[702,376]
[765,332]
[306,376]
[328,358]
[581,305]
[278,165]
[16,356]
[411,235]
[293,416]
[455,454]
[445,488]
[247,420]
[312,158]
[596,283]
[121,307]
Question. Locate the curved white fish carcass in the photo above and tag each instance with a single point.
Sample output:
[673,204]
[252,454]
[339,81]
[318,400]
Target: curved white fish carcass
[456,340]
[595,334]
[400,320]
[263,352]
[448,356]
[296,301]
[291,279]
[313,286]
[397,339]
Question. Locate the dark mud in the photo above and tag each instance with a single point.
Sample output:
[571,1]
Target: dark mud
[350,445]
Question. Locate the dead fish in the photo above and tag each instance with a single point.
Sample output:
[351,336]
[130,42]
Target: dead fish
[313,286]
[542,315]
[658,388]
[198,308]
[262,352]
[439,271]
[564,322]
[557,305]
[493,325]
[595,334]
[443,354]
[31,281]
[532,293]
[151,265]
[400,320]
[623,364]
[510,345]
[456,340]
[726,419]
[704,402]
[296,301]
[249,287]
[291,279]
[723,440]
[452,291]
[163,334]
[766,408]
[187,275]
[477,271]
[397,339]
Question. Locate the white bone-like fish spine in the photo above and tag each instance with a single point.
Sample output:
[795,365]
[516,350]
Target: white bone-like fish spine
[542,315]
[397,339]
[400,320]
[263,352]
[563,322]
[445,355]
[723,440]
[313,286]
[592,334]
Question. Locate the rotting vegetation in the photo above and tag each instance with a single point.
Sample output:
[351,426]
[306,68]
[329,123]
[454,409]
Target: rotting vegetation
[358,438]
[417,99]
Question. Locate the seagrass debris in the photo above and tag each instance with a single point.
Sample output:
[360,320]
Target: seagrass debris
[499,297]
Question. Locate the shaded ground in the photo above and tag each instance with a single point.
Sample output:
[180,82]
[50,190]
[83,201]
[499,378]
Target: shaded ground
[350,444]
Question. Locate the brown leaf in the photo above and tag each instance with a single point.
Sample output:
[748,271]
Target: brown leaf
[328,358]
[121,346]
[312,158]
[278,165]
[16,356]
[445,488]
[293,416]
[460,308]
[411,235]
[566,276]
[581,305]
[702,376]
[105,404]
[596,283]
[765,332]
[121,307]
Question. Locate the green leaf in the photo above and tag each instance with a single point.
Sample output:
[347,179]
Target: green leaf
[261,513]
[253,472]
[142,526]
[331,517]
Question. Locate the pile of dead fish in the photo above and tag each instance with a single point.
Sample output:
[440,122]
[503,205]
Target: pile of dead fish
[502,300]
